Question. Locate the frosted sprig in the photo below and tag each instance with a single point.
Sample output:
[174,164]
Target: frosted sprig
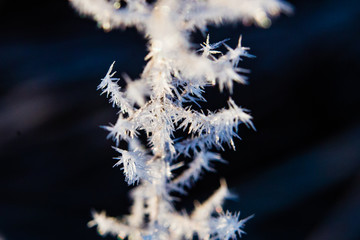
[159,104]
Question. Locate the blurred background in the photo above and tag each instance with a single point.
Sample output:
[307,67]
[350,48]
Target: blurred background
[299,173]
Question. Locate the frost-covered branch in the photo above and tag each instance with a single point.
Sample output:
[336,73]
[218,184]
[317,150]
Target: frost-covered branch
[159,104]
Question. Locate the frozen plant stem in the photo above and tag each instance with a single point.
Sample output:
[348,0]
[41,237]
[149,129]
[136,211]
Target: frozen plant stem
[175,75]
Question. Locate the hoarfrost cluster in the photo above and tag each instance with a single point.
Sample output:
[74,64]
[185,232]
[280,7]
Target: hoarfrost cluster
[157,104]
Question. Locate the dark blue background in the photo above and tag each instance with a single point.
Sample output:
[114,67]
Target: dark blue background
[299,173]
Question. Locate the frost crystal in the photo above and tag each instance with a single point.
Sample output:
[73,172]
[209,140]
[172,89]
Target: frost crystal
[228,226]
[155,106]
